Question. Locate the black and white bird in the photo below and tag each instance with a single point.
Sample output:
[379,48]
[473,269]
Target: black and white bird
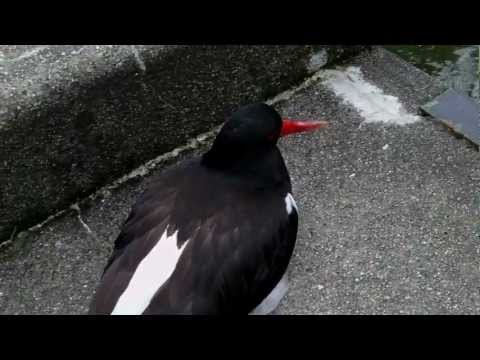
[212,235]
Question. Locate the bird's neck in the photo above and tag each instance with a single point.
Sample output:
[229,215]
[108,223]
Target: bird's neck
[263,167]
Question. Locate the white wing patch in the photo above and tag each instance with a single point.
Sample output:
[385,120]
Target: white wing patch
[290,203]
[150,275]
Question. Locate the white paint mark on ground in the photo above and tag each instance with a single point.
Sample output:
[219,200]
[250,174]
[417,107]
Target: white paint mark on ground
[139,59]
[149,276]
[385,147]
[370,101]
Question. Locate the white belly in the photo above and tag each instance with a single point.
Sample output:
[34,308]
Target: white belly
[271,302]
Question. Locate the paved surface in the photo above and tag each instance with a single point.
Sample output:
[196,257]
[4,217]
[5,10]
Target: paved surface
[383,230]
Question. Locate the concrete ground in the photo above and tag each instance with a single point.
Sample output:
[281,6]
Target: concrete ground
[389,215]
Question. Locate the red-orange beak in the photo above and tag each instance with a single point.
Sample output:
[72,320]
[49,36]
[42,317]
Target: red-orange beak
[294,126]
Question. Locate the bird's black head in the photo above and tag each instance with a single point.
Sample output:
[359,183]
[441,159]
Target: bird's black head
[252,126]
[250,132]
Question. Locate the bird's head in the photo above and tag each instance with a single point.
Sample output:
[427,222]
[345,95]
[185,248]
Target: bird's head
[255,128]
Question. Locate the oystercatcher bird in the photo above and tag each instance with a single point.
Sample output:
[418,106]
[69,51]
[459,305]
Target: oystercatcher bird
[213,235]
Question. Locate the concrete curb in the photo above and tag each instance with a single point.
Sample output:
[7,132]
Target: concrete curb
[74,118]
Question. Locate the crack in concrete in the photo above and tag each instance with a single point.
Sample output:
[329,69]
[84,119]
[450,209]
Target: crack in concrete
[138,58]
[87,228]
[9,242]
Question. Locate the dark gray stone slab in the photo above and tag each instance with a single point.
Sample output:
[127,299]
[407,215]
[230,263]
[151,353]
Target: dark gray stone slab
[459,112]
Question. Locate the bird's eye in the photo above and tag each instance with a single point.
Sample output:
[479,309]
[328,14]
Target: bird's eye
[271,136]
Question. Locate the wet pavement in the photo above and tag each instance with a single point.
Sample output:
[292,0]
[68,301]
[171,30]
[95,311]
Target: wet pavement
[453,66]
[389,213]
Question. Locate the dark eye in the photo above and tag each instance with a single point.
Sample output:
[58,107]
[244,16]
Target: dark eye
[271,136]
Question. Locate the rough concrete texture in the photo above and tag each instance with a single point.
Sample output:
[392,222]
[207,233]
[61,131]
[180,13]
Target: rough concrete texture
[74,118]
[383,230]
